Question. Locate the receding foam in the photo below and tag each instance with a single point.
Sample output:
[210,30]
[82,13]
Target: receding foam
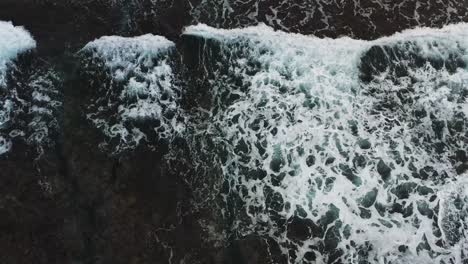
[13,41]
[121,54]
[141,92]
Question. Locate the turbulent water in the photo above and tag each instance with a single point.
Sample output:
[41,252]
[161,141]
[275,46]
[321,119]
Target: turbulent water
[141,101]
[29,94]
[340,150]
[14,40]
[329,17]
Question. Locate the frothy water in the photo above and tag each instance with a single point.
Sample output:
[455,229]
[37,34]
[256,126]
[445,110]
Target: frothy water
[329,17]
[32,104]
[13,41]
[138,101]
[340,149]
[29,94]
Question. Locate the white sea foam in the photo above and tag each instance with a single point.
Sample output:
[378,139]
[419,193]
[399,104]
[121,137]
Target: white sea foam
[13,41]
[121,55]
[142,88]
[30,108]
[305,135]
[453,216]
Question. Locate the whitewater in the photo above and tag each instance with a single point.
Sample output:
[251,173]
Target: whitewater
[141,89]
[30,97]
[13,41]
[342,150]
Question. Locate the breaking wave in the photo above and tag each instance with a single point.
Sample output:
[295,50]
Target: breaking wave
[13,41]
[29,92]
[137,100]
[339,149]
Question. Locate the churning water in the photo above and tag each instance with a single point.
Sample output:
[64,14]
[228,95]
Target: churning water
[341,150]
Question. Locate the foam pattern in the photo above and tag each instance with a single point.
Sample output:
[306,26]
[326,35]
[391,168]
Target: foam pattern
[138,98]
[13,41]
[31,107]
[29,93]
[342,150]
[32,102]
[366,19]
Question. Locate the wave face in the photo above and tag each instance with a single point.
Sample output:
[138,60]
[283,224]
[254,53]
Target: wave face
[340,149]
[29,93]
[138,98]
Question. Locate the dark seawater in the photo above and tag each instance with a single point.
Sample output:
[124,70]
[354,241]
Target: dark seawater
[150,131]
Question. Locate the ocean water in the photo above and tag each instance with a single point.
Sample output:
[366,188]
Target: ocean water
[342,150]
[141,101]
[29,92]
